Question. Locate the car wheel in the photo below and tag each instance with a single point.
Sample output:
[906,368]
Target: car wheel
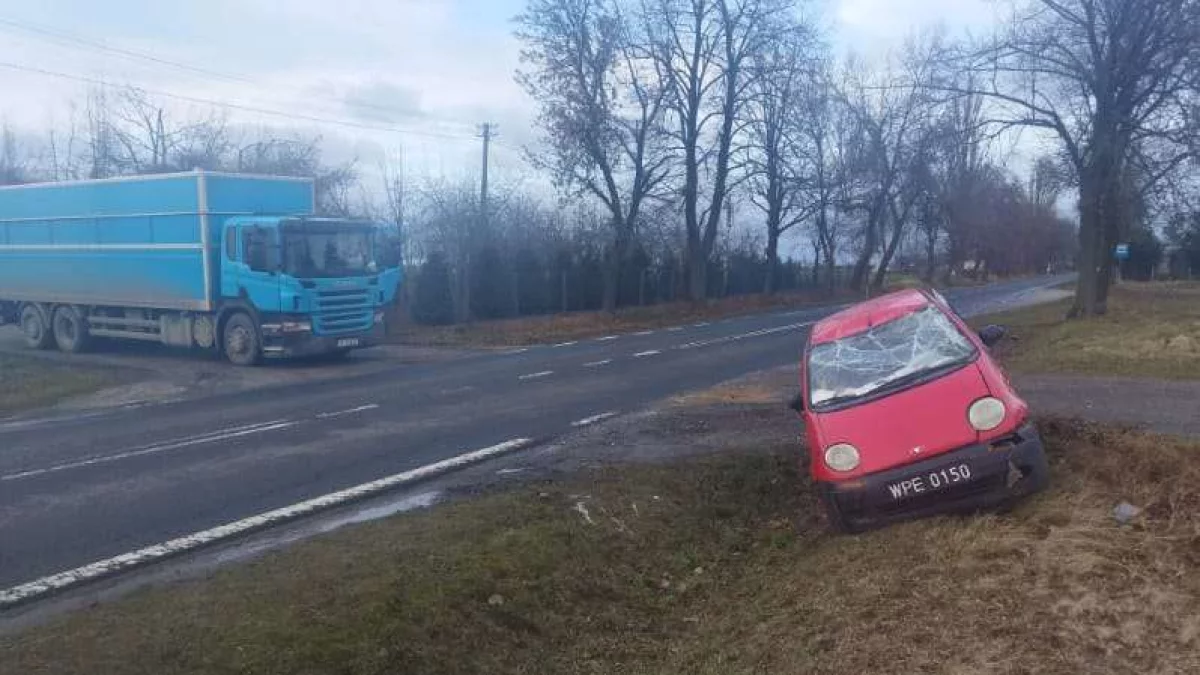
[34,329]
[240,341]
[837,521]
[70,330]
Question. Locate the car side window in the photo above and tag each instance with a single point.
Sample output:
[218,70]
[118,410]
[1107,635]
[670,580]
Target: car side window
[230,244]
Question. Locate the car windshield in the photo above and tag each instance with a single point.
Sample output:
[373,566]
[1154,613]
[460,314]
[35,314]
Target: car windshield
[327,253]
[884,357]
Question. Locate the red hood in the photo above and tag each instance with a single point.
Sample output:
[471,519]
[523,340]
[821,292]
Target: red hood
[888,432]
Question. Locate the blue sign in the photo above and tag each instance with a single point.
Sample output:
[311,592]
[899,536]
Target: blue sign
[1122,252]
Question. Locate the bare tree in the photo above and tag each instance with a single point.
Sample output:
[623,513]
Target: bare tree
[702,50]
[1103,76]
[600,111]
[781,75]
[14,168]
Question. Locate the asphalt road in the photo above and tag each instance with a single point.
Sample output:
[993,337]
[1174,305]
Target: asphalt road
[82,489]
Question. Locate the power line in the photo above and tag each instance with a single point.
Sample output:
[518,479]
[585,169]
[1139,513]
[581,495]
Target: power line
[79,42]
[233,106]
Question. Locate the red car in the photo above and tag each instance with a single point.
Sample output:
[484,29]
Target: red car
[907,415]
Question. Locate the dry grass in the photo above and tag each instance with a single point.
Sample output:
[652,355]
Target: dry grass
[578,325]
[714,566]
[29,382]
[1151,330]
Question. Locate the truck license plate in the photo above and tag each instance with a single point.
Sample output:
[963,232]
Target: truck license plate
[348,342]
[930,482]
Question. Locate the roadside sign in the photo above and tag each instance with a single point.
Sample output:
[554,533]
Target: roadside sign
[1122,252]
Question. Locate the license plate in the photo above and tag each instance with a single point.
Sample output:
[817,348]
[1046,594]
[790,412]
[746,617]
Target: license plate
[348,342]
[930,482]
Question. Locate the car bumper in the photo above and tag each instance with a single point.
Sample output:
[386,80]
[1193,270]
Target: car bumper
[300,344]
[1000,472]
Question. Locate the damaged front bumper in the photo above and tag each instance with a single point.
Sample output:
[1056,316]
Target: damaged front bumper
[976,477]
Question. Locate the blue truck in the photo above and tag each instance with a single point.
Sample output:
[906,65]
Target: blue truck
[231,263]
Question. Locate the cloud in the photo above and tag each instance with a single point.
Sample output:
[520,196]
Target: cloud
[382,101]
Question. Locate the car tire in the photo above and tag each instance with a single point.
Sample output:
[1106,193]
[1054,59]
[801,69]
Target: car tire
[837,521]
[240,341]
[35,329]
[70,330]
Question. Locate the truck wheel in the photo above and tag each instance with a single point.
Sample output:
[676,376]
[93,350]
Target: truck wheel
[33,325]
[239,339]
[70,330]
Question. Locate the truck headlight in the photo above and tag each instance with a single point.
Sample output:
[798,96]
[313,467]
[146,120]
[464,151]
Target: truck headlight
[295,326]
[986,414]
[841,457]
[378,318]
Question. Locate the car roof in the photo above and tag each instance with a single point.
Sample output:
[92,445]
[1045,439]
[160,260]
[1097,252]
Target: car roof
[861,317]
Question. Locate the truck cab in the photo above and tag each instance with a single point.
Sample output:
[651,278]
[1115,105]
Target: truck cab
[315,284]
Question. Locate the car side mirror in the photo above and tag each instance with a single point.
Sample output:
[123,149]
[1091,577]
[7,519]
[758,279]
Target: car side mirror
[797,402]
[991,335]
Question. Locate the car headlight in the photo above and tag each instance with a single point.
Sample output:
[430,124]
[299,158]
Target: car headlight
[986,414]
[841,457]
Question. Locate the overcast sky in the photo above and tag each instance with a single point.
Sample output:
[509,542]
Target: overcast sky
[433,68]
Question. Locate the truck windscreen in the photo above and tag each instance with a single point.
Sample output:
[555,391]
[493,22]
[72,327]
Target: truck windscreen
[327,253]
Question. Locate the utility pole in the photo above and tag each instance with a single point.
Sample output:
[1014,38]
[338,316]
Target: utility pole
[487,132]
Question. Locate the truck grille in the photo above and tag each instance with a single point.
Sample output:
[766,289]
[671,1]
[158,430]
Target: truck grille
[343,311]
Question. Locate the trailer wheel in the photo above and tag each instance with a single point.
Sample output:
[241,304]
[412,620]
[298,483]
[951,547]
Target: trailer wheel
[70,330]
[239,340]
[33,326]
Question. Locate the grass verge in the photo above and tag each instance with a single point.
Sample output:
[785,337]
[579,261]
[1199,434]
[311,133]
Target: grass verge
[30,382]
[717,565]
[1151,330]
[579,325]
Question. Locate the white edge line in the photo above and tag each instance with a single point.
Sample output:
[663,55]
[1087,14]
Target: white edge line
[566,344]
[534,376]
[595,364]
[606,338]
[674,329]
[644,332]
[587,421]
[351,411]
[102,568]
[652,352]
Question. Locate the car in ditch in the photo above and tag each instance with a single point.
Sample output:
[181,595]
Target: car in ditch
[907,415]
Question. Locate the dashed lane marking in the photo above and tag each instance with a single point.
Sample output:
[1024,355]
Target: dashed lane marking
[535,376]
[596,364]
[588,421]
[651,352]
[351,411]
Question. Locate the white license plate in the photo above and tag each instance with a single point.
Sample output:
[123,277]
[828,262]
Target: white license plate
[930,482]
[348,342]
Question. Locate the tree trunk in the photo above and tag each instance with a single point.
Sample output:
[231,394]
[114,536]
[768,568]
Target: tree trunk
[1086,287]
[697,273]
[930,257]
[816,269]
[772,259]
[886,259]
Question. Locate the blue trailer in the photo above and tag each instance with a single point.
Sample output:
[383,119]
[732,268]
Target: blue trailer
[214,261]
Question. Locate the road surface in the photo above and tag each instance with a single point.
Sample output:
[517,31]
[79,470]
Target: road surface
[87,488]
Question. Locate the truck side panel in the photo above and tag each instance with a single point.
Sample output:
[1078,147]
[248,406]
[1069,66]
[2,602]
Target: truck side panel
[133,243]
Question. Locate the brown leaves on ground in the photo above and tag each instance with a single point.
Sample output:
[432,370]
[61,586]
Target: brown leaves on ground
[719,565]
[580,325]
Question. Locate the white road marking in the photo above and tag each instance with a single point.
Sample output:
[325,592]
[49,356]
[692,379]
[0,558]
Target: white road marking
[651,352]
[743,336]
[606,338]
[595,364]
[351,411]
[644,332]
[54,582]
[566,344]
[701,325]
[587,421]
[534,376]
[212,437]
[522,350]
[674,329]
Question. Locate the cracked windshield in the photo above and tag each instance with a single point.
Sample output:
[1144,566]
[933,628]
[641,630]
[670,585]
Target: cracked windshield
[576,337]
